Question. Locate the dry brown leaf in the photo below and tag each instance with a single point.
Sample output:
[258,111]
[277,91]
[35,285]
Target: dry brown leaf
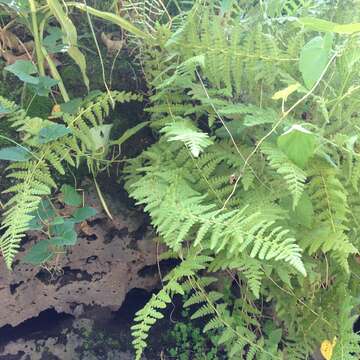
[86,228]
[10,58]
[112,46]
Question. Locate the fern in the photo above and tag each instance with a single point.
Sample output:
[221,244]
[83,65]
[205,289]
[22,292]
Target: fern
[151,312]
[185,131]
[292,174]
[268,214]
[34,179]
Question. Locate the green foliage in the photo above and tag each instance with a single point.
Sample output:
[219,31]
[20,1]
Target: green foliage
[51,147]
[273,201]
[60,230]
[190,342]
[186,132]
[314,57]
[24,70]
[151,312]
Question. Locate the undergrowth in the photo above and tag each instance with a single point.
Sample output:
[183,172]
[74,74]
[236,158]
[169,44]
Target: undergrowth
[254,174]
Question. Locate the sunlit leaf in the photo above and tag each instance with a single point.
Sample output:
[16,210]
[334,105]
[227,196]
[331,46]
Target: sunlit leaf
[314,57]
[285,93]
[101,135]
[298,144]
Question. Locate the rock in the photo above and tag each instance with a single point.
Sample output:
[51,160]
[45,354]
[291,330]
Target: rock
[98,271]
[75,343]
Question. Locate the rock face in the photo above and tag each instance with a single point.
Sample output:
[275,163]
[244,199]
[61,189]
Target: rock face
[99,270]
[76,342]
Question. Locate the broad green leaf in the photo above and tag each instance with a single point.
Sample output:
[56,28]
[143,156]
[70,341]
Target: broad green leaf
[52,132]
[129,133]
[34,224]
[328,26]
[70,36]
[314,57]
[53,42]
[72,106]
[45,210]
[58,220]
[14,153]
[23,69]
[84,213]
[43,86]
[39,253]
[71,196]
[64,233]
[298,144]
[115,19]
[101,135]
[42,215]
[63,240]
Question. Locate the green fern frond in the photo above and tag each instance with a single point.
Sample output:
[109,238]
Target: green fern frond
[293,175]
[183,130]
[151,312]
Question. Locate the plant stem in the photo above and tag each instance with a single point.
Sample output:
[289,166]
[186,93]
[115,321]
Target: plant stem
[55,74]
[37,40]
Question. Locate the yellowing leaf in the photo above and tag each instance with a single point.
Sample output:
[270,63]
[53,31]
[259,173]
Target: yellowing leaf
[285,93]
[327,348]
[56,109]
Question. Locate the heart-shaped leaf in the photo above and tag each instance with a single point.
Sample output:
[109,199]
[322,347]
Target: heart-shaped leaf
[314,57]
[298,144]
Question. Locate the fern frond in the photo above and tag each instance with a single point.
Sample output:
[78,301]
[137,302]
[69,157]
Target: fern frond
[293,175]
[183,130]
[151,312]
